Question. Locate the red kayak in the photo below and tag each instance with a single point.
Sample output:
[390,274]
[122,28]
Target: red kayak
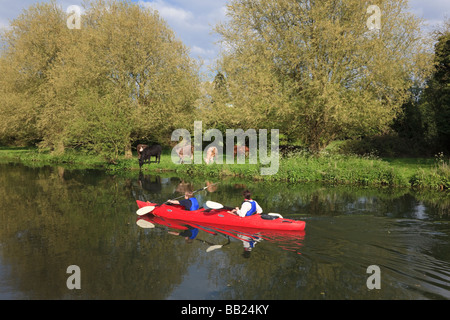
[223,217]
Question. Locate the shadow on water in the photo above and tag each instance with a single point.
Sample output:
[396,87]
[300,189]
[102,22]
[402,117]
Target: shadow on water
[51,218]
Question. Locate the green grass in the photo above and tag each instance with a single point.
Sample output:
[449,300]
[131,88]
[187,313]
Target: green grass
[423,171]
[301,168]
[32,157]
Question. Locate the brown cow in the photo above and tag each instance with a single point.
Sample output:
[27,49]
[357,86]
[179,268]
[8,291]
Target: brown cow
[241,150]
[187,150]
[211,154]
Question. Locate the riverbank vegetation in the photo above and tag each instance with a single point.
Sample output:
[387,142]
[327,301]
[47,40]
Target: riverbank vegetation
[296,168]
[336,89]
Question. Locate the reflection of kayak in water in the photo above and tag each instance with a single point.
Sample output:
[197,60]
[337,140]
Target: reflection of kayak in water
[250,236]
[186,230]
[220,217]
[290,240]
[148,221]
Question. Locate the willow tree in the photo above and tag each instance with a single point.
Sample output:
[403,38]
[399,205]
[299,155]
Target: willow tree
[319,70]
[121,76]
[30,46]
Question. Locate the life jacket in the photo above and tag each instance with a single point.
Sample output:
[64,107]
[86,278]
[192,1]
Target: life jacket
[194,233]
[194,204]
[252,209]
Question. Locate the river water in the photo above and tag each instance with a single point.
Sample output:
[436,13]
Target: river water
[53,217]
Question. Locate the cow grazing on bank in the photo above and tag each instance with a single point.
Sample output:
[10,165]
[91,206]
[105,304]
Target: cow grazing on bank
[140,148]
[147,153]
[211,154]
[187,150]
[241,150]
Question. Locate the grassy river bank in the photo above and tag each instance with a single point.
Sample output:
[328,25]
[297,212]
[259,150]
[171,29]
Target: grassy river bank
[431,173]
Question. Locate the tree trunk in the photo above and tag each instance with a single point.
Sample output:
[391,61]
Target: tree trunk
[128,151]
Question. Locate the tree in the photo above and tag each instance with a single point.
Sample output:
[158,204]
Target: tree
[426,117]
[129,54]
[436,100]
[30,47]
[315,71]
[121,77]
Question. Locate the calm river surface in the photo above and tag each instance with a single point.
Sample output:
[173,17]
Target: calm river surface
[52,218]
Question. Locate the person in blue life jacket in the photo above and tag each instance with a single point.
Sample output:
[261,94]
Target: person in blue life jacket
[249,207]
[249,243]
[189,235]
[189,202]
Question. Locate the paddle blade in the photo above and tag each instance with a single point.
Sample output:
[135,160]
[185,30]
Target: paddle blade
[145,224]
[144,210]
[275,215]
[213,205]
[211,248]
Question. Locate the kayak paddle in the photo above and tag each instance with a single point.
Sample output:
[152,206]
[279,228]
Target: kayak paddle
[145,224]
[213,205]
[217,246]
[144,210]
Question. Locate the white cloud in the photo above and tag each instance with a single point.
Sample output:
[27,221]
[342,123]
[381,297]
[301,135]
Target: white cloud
[193,22]
[201,51]
[433,12]
[168,12]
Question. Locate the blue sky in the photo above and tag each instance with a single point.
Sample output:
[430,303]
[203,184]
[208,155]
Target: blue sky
[192,20]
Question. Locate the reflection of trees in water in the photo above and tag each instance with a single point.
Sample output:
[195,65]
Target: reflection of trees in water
[156,188]
[49,223]
[301,199]
[318,200]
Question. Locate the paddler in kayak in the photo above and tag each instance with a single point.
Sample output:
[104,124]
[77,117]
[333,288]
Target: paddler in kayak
[248,207]
[189,202]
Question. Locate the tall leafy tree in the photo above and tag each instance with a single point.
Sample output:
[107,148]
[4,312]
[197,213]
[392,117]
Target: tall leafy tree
[30,47]
[436,100]
[121,77]
[426,117]
[315,70]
